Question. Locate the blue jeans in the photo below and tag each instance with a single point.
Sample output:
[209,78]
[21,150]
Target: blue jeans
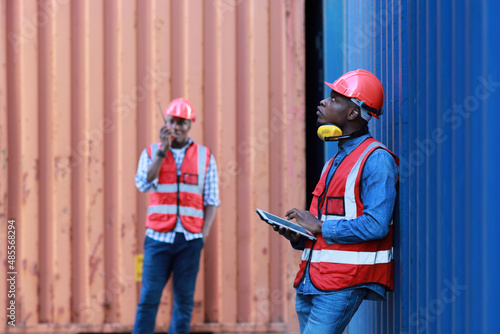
[328,313]
[160,259]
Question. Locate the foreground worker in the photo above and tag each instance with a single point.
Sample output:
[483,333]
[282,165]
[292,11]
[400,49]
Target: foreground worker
[350,213]
[184,195]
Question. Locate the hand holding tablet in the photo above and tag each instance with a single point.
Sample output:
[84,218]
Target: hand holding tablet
[278,221]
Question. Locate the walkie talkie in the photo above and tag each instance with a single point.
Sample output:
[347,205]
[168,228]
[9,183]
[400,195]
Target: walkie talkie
[161,112]
[165,120]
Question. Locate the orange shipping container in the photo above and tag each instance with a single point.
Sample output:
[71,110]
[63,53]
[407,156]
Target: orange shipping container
[79,88]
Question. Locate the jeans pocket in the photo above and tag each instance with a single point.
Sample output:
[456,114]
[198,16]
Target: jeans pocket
[197,243]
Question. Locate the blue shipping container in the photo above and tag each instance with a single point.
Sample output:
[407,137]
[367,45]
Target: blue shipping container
[438,61]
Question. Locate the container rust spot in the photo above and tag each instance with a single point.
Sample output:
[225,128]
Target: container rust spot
[34,269]
[60,167]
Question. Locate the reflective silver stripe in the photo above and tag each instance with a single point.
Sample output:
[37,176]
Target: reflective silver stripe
[305,254]
[202,167]
[172,188]
[350,186]
[348,257]
[172,209]
[166,188]
[331,217]
[187,211]
[190,188]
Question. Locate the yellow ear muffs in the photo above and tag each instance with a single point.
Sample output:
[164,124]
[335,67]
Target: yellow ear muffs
[329,132]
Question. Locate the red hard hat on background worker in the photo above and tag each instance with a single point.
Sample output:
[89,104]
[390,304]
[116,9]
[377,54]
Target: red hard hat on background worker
[182,108]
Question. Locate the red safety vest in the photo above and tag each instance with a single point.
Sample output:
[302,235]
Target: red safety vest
[179,195]
[338,266]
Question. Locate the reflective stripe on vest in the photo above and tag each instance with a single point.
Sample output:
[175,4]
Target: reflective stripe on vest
[348,257]
[179,195]
[183,210]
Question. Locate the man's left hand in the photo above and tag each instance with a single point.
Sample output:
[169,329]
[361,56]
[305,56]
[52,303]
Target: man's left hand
[305,219]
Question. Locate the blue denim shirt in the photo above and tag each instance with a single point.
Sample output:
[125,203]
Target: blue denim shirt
[378,194]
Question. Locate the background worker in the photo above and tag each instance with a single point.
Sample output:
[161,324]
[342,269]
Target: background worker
[350,213]
[184,195]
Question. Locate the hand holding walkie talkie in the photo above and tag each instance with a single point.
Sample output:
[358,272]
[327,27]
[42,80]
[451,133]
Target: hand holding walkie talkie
[166,132]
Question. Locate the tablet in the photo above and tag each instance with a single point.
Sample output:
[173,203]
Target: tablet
[275,220]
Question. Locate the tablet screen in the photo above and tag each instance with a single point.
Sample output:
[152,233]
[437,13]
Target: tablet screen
[275,220]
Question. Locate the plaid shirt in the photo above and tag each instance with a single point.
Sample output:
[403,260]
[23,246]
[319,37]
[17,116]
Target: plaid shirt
[210,190]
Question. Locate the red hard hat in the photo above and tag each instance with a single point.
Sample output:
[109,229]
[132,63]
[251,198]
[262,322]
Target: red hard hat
[182,108]
[363,86]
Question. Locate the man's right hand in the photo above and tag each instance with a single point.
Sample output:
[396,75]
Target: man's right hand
[285,231]
[166,133]
[165,139]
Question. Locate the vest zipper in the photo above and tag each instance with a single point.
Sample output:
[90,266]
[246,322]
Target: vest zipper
[179,188]
[179,197]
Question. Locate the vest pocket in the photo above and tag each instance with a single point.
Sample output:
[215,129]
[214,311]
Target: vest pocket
[191,200]
[161,222]
[335,206]
[338,269]
[192,224]
[190,178]
[333,276]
